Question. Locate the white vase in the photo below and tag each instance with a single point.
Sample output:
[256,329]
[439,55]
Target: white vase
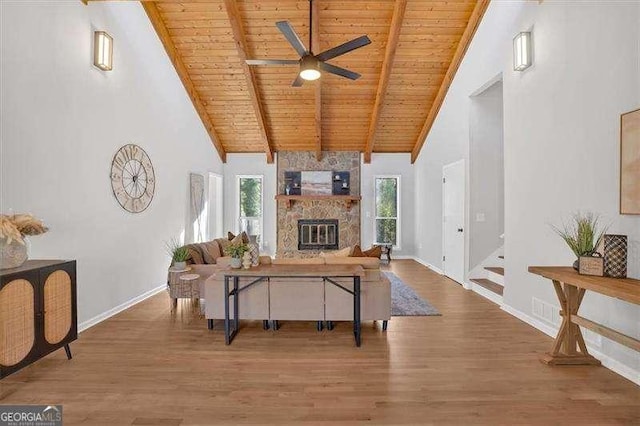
[179,266]
[13,254]
[235,263]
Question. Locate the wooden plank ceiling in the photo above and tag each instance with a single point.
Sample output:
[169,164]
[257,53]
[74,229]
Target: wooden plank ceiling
[416,48]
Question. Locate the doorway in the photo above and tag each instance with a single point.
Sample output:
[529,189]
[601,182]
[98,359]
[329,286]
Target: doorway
[453,220]
[486,178]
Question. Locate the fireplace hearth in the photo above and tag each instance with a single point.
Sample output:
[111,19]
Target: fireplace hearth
[318,234]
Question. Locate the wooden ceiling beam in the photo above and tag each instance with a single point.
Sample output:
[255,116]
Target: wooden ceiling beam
[315,37]
[463,45]
[158,24]
[252,84]
[387,65]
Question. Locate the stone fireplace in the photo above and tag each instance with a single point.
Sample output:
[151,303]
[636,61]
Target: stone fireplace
[293,218]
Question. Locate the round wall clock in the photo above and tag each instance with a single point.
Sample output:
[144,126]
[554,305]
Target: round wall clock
[132,178]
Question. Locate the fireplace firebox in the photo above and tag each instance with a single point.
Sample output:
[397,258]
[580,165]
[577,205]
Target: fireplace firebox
[318,234]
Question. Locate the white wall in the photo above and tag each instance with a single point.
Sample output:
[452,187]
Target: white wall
[561,144]
[486,174]
[448,140]
[562,147]
[251,164]
[62,122]
[389,164]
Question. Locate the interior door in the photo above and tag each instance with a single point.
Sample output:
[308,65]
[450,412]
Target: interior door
[453,192]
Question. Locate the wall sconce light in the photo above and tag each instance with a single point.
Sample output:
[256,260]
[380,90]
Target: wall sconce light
[103,50]
[522,51]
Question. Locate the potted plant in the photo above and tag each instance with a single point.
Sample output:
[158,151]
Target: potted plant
[582,234]
[236,251]
[179,254]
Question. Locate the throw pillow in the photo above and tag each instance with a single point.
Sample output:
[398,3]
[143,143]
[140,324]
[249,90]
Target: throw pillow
[237,239]
[375,251]
[195,255]
[210,252]
[245,238]
[223,243]
[357,252]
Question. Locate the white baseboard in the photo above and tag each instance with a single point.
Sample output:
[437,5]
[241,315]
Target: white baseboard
[495,298]
[608,362]
[111,312]
[428,265]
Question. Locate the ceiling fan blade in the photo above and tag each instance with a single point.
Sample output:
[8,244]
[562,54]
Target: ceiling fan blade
[286,29]
[272,62]
[344,48]
[342,72]
[299,81]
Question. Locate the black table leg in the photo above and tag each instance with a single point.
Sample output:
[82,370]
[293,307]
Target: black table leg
[236,305]
[210,324]
[356,309]
[319,325]
[329,325]
[227,325]
[265,324]
[67,349]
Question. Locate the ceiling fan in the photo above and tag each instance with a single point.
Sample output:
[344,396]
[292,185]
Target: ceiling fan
[310,64]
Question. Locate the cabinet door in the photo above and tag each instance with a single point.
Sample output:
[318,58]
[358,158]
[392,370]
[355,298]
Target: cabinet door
[58,303]
[17,320]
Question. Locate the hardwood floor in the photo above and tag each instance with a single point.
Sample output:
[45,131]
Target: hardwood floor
[475,364]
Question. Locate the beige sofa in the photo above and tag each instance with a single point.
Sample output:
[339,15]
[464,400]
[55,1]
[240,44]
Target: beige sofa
[311,300]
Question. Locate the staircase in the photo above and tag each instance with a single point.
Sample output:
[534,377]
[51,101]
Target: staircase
[491,285]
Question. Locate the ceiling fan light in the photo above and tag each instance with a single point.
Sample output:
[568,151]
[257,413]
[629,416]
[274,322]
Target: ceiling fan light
[310,74]
[309,68]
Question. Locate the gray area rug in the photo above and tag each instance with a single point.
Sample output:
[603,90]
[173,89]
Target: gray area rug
[405,302]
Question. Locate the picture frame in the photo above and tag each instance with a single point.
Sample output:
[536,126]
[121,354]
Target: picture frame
[317,183]
[630,163]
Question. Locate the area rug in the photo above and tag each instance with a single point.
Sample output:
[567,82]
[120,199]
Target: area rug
[405,302]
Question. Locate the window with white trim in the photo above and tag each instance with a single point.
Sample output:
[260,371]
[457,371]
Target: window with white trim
[387,220]
[250,206]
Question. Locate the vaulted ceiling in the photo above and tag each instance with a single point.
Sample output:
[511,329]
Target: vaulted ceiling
[416,48]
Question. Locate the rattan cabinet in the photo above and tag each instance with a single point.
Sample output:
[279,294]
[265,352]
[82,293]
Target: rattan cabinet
[38,312]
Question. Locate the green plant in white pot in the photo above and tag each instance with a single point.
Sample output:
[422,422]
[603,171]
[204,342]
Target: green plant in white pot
[179,254]
[582,234]
[235,251]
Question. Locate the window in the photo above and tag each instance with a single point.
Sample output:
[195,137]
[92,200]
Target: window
[387,221]
[250,206]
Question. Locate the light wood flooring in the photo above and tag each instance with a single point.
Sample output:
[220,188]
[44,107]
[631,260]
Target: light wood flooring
[475,364]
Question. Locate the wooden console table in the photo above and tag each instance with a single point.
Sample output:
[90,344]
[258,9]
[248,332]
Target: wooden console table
[569,346]
[263,273]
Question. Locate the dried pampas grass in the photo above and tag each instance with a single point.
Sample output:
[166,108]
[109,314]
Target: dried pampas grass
[15,227]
